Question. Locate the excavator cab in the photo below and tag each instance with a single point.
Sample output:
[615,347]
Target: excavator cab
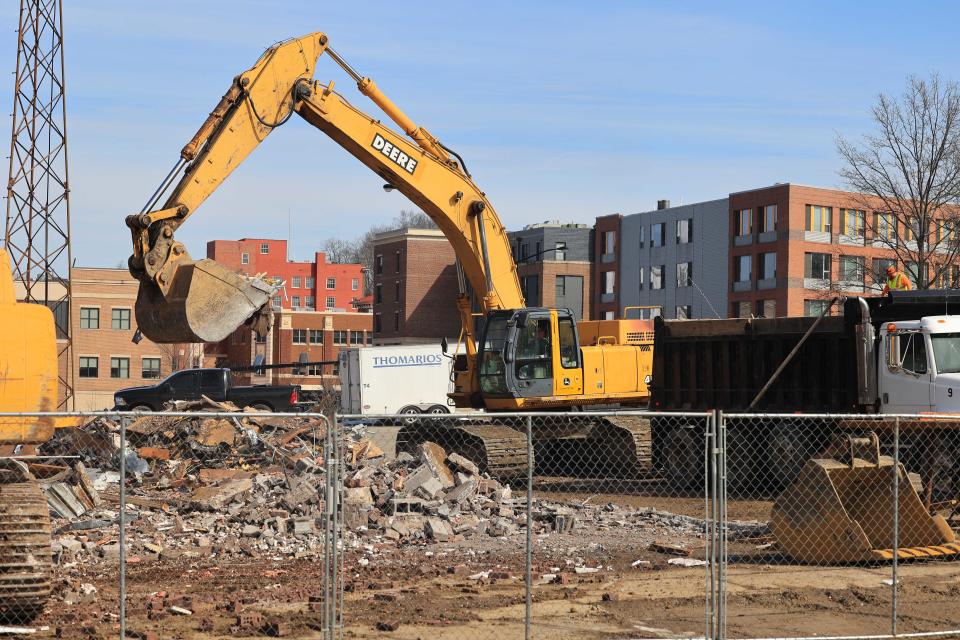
[529,353]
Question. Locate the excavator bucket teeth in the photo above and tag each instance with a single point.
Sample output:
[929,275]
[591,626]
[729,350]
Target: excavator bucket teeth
[206,302]
[839,513]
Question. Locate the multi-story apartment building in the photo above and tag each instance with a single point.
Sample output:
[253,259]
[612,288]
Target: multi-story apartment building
[669,260]
[793,247]
[308,285]
[606,270]
[295,336]
[414,287]
[554,265]
[103,324]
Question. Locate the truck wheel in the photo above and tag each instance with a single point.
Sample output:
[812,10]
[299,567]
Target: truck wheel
[683,453]
[142,407]
[789,446]
[437,409]
[261,407]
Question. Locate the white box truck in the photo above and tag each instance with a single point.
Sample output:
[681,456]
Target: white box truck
[409,379]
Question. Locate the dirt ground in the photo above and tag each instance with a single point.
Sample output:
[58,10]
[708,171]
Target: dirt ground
[474,588]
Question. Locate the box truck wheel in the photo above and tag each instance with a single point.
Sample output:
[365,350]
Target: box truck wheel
[437,409]
[410,410]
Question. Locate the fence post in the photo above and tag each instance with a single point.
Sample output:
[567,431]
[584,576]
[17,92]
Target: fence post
[331,536]
[123,528]
[896,524]
[722,566]
[710,507]
[529,561]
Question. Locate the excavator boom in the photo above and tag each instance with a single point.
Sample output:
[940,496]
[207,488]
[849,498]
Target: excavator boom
[185,301]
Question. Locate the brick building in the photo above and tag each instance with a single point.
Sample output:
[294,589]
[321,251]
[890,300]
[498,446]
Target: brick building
[105,358]
[308,285]
[296,336]
[414,287]
[793,247]
[554,265]
[606,272]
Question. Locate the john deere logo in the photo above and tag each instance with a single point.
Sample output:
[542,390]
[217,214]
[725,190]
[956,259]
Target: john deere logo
[393,152]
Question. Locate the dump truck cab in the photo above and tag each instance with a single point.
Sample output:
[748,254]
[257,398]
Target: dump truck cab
[918,368]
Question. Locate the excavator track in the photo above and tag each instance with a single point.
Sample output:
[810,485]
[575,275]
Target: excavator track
[25,555]
[626,443]
[495,448]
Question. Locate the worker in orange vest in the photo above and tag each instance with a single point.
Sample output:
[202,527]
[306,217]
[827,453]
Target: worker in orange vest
[896,281]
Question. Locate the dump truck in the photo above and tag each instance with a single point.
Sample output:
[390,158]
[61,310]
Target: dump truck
[897,354]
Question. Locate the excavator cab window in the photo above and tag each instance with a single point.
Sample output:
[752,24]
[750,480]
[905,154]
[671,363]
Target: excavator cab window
[492,368]
[534,354]
[569,347]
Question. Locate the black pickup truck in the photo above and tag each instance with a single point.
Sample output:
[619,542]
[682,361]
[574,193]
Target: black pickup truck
[215,384]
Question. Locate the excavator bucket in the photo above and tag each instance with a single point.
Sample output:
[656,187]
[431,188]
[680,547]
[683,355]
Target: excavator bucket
[206,302]
[843,512]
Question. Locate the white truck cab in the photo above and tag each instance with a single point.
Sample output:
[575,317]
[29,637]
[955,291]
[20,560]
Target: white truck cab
[919,366]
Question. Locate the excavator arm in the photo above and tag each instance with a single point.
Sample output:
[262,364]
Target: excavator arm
[184,301]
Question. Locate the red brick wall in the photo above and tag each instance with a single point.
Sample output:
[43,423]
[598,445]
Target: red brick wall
[604,224]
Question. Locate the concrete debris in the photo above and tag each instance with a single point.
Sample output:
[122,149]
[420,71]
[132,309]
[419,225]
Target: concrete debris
[687,562]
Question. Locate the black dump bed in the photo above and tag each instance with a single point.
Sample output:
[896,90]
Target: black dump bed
[723,364]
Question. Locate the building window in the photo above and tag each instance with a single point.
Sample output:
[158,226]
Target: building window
[314,370]
[378,293]
[744,266]
[912,229]
[640,278]
[296,282]
[742,310]
[656,277]
[309,302]
[120,367]
[396,321]
[609,241]
[817,266]
[609,315]
[89,318]
[814,307]
[339,336]
[356,337]
[309,283]
[819,219]
[331,283]
[768,218]
[683,312]
[355,284]
[89,367]
[264,248]
[768,265]
[884,227]
[377,328]
[396,291]
[151,368]
[684,274]
[529,287]
[853,221]
[244,258]
[260,339]
[398,262]
[378,264]
[744,218]
[684,231]
[560,252]
[851,268]
[369,337]
[916,273]
[880,269]
[296,302]
[524,250]
[657,237]
[299,336]
[766,308]
[316,336]
[561,286]
[609,281]
[331,302]
[641,238]
[947,233]
[277,302]
[120,319]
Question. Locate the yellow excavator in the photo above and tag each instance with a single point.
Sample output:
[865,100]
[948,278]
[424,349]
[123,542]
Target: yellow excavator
[28,383]
[524,358]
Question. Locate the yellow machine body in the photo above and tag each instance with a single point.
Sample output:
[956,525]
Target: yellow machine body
[842,512]
[28,351]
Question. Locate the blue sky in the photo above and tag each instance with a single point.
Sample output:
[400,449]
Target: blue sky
[562,110]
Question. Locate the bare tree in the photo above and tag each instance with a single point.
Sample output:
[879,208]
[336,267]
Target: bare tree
[907,177]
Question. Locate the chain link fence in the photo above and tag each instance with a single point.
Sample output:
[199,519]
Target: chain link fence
[600,524]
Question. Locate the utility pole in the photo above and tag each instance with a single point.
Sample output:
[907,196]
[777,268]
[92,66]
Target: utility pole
[37,233]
